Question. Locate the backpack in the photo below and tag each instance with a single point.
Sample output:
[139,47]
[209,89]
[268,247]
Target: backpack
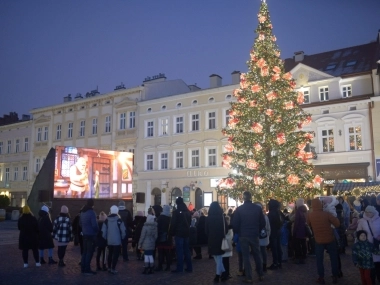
[119,222]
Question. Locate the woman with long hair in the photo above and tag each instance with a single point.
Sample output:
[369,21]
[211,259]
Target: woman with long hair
[216,229]
[300,234]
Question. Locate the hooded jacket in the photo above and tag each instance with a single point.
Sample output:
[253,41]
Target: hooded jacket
[374,223]
[321,222]
[45,227]
[275,217]
[148,236]
[113,230]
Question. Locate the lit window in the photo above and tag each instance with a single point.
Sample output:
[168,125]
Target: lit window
[327,140]
[306,96]
[355,138]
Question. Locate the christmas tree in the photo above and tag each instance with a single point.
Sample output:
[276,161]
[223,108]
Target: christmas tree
[266,144]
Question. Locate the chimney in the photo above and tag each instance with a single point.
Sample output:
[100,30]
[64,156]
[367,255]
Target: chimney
[299,56]
[215,81]
[235,77]
[67,98]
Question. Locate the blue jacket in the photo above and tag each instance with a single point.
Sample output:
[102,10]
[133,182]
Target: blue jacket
[248,220]
[88,222]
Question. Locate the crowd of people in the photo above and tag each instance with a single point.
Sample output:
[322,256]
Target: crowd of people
[175,234]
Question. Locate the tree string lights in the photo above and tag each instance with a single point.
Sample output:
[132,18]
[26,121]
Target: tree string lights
[266,144]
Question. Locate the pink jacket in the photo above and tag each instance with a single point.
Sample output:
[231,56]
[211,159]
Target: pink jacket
[354,224]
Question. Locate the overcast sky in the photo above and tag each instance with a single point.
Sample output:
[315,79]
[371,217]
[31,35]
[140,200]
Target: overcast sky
[50,48]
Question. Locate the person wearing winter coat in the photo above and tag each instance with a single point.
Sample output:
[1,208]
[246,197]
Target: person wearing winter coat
[180,229]
[147,243]
[299,234]
[276,220]
[248,221]
[62,233]
[201,234]
[45,227]
[28,238]
[126,217]
[264,241]
[371,224]
[164,240]
[101,244]
[362,258]
[138,224]
[216,229]
[114,232]
[321,222]
[227,254]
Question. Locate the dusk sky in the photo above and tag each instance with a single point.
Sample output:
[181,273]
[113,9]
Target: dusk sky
[49,49]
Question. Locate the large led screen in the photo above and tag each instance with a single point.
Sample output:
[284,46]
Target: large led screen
[92,173]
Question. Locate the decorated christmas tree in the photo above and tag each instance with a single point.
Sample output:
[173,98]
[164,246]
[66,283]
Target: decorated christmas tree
[266,150]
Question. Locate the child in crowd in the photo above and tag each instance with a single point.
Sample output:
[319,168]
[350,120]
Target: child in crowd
[362,257]
[101,244]
[226,255]
[350,232]
[147,243]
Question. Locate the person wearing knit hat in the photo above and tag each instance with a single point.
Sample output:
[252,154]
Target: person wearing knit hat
[147,243]
[45,227]
[114,232]
[126,217]
[64,209]
[166,210]
[300,202]
[114,209]
[63,233]
[28,238]
[371,224]
[45,208]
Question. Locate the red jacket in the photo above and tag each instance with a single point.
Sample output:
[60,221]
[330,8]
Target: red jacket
[321,222]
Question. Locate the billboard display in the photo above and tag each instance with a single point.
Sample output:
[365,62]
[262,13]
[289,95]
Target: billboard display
[92,173]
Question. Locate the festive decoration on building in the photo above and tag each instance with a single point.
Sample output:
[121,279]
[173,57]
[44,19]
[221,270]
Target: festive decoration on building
[266,145]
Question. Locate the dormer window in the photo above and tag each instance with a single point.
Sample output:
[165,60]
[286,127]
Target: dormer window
[149,110]
[346,91]
[350,63]
[331,66]
[229,97]
[195,102]
[94,105]
[211,100]
[81,107]
[179,105]
[163,107]
[107,102]
[324,93]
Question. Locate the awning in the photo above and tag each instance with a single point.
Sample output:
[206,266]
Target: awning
[341,187]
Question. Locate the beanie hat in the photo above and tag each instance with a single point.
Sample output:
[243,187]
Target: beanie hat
[26,209]
[90,202]
[114,209]
[121,205]
[150,219]
[45,208]
[140,214]
[166,210]
[371,209]
[179,201]
[64,209]
[300,202]
[358,233]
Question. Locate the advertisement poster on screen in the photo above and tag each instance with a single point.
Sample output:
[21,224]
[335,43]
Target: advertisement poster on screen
[92,173]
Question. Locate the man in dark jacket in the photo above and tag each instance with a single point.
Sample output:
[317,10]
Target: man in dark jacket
[90,230]
[248,221]
[126,217]
[276,219]
[180,229]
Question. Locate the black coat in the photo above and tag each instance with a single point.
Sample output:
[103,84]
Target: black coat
[276,218]
[215,231]
[201,228]
[28,226]
[138,224]
[163,224]
[181,221]
[45,227]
